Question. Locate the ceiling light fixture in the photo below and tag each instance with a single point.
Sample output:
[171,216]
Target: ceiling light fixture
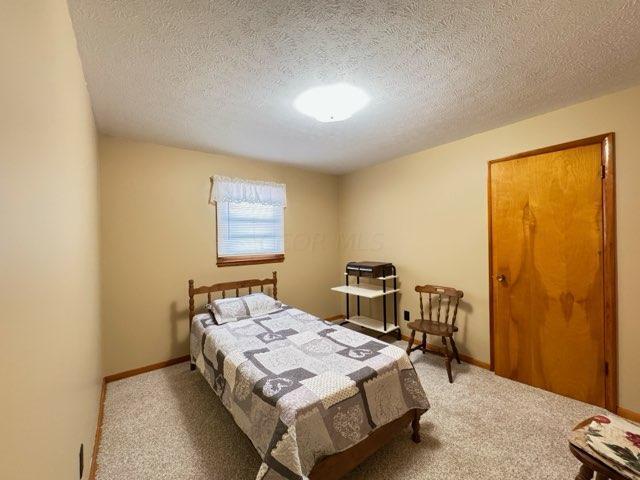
[331,103]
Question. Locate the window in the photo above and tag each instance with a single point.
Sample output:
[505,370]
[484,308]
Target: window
[250,221]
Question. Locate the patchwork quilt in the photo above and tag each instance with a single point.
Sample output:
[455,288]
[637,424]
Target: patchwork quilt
[302,388]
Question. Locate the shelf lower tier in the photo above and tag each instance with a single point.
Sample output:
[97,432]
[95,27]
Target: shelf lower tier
[371,323]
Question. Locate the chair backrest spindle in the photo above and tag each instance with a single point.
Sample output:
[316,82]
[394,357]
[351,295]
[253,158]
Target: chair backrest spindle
[455,312]
[446,315]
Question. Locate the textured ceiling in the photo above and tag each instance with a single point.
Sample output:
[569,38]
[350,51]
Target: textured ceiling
[222,75]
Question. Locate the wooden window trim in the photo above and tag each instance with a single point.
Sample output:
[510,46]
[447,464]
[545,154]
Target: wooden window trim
[249,260]
[610,284]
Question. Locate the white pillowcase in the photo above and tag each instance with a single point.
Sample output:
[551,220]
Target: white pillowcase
[227,310]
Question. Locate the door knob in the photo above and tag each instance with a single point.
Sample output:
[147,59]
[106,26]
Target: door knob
[501,278]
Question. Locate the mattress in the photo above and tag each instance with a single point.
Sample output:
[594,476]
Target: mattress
[302,388]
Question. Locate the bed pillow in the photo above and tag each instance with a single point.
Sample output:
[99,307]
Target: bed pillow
[261,304]
[227,310]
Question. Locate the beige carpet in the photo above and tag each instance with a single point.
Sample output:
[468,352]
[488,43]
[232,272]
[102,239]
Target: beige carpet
[169,424]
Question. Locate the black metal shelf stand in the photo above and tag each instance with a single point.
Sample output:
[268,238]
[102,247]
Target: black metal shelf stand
[384,300]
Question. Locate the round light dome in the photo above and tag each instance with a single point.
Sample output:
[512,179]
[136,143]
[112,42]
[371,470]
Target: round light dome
[331,103]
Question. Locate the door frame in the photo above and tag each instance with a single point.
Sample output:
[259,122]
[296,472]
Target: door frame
[610,285]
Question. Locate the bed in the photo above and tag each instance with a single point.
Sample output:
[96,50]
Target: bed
[315,399]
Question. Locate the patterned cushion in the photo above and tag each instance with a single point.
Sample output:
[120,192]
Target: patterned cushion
[227,310]
[616,440]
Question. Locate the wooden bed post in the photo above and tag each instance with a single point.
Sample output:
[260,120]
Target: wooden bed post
[415,426]
[192,312]
[275,285]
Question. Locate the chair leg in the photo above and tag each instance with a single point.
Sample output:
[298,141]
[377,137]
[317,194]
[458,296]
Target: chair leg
[447,357]
[424,342]
[411,340]
[455,349]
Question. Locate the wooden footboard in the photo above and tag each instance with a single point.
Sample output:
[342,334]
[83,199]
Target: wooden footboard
[339,464]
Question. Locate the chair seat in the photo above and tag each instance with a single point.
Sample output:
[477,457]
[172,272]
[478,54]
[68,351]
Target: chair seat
[432,328]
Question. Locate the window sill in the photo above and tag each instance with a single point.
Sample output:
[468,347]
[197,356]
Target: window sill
[249,260]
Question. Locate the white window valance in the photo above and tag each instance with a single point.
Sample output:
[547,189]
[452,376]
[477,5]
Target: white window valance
[236,190]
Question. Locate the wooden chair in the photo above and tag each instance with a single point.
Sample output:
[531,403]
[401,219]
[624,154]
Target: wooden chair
[443,326]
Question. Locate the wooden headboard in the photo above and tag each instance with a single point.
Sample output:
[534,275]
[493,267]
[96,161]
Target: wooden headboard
[231,286]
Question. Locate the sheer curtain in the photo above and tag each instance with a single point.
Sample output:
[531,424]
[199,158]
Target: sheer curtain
[250,216]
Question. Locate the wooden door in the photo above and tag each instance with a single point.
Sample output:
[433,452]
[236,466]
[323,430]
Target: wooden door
[547,237]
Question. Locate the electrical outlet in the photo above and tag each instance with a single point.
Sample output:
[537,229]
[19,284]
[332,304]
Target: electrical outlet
[81,459]
[407,316]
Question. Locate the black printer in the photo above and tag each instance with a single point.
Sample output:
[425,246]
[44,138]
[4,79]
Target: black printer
[370,269]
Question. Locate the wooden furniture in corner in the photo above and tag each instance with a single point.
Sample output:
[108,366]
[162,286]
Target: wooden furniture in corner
[444,325]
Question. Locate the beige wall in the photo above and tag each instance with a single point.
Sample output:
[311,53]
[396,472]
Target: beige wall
[49,329]
[427,212]
[158,230]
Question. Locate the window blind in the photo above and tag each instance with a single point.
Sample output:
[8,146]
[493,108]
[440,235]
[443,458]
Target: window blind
[250,216]
[250,229]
